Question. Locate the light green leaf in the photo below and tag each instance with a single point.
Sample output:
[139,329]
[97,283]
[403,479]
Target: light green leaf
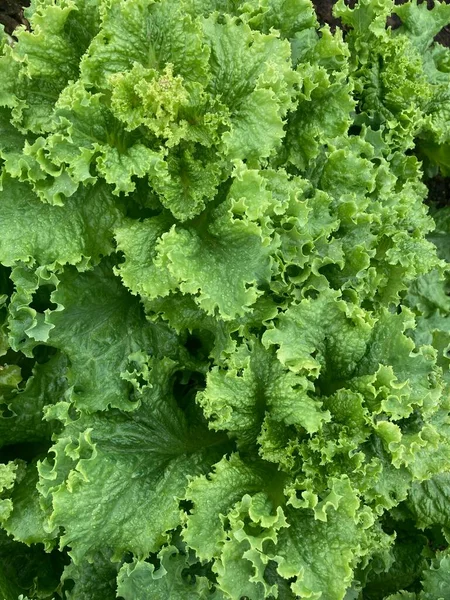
[256,127]
[131,471]
[320,554]
[236,574]
[98,325]
[49,55]
[26,520]
[160,97]
[8,474]
[252,384]
[124,40]
[436,581]
[325,334]
[413,370]
[139,580]
[185,184]
[214,497]
[421,24]
[367,18]
[10,377]
[252,74]
[138,241]
[78,233]
[428,293]
[318,118]
[439,236]
[428,501]
[29,308]
[254,525]
[195,257]
[288,16]
[118,155]
[335,180]
[200,258]
[325,99]
[11,139]
[121,168]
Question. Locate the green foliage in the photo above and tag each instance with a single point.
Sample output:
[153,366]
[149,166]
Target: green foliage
[224,304]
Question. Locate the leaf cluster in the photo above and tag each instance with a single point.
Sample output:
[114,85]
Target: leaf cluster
[224,304]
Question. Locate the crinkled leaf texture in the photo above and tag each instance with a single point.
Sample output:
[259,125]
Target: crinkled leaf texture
[224,304]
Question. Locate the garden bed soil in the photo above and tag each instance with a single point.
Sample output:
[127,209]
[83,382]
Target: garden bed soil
[11,14]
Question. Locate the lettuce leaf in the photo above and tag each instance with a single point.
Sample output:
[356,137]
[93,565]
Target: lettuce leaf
[224,310]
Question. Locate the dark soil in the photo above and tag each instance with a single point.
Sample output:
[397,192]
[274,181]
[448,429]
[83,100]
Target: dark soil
[12,16]
[325,15]
[439,191]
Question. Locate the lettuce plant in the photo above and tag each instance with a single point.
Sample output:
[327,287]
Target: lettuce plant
[224,309]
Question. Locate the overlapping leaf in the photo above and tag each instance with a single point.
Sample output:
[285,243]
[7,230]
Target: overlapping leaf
[211,227]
